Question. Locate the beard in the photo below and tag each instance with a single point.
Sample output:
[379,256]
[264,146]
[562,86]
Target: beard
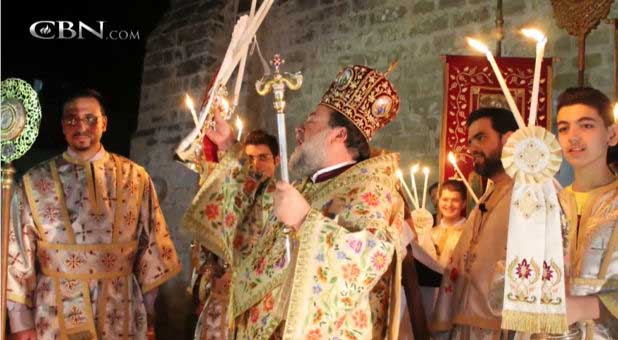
[492,163]
[310,156]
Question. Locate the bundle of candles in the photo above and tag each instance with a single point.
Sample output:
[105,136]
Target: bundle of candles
[414,198]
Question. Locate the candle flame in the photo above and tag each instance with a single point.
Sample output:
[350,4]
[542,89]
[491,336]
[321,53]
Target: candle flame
[399,173]
[238,123]
[426,171]
[535,34]
[415,168]
[452,159]
[223,103]
[616,113]
[477,45]
[189,102]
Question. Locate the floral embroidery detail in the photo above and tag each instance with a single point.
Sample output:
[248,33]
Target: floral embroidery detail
[211,211]
[130,187]
[314,334]
[378,260]
[261,265]
[547,272]
[76,315]
[356,245]
[350,272]
[317,316]
[522,277]
[321,274]
[254,314]
[43,186]
[130,218]
[370,198]
[249,186]
[51,214]
[74,261]
[108,260]
[523,269]
[230,218]
[269,302]
[360,319]
[167,253]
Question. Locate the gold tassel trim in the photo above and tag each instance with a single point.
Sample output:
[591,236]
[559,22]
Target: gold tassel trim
[534,322]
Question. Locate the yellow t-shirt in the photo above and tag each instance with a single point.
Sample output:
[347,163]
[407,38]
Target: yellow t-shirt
[580,199]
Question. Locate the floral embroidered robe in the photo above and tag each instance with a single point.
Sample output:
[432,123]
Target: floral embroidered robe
[593,255]
[89,240]
[464,307]
[343,276]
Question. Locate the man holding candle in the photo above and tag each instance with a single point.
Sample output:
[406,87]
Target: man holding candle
[463,309]
[210,280]
[590,203]
[345,215]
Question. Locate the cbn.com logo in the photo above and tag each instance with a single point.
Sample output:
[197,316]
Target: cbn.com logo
[62,29]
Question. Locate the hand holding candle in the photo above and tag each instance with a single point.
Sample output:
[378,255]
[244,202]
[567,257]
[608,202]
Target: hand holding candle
[541,40]
[453,161]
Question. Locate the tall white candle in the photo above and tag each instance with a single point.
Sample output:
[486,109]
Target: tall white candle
[541,40]
[405,188]
[453,161]
[239,127]
[189,103]
[426,173]
[413,171]
[616,113]
[479,46]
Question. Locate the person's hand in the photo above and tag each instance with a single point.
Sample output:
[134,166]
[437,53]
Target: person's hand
[221,134]
[28,334]
[290,206]
[580,308]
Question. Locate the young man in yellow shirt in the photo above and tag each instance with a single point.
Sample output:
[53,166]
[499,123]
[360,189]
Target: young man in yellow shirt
[585,132]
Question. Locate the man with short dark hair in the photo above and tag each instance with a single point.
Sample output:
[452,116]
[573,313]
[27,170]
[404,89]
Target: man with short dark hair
[464,309]
[90,246]
[341,276]
[262,151]
[585,132]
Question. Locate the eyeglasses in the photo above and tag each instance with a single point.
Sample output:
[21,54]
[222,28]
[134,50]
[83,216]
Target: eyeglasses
[89,120]
[261,158]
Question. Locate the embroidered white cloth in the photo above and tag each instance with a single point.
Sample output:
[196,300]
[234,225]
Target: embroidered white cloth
[534,289]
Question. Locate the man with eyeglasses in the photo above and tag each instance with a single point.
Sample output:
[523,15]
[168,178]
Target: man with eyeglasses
[89,245]
[262,151]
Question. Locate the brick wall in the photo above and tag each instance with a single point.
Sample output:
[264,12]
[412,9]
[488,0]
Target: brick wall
[319,37]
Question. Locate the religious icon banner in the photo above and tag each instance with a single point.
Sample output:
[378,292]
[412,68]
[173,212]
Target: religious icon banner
[470,84]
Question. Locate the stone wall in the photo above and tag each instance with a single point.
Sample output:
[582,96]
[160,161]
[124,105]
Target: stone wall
[319,37]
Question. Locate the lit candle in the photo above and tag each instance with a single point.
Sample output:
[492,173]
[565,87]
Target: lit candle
[239,127]
[451,158]
[405,188]
[479,46]
[426,173]
[616,113]
[413,171]
[189,103]
[541,40]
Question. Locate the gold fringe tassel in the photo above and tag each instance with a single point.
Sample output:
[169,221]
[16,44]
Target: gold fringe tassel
[534,322]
